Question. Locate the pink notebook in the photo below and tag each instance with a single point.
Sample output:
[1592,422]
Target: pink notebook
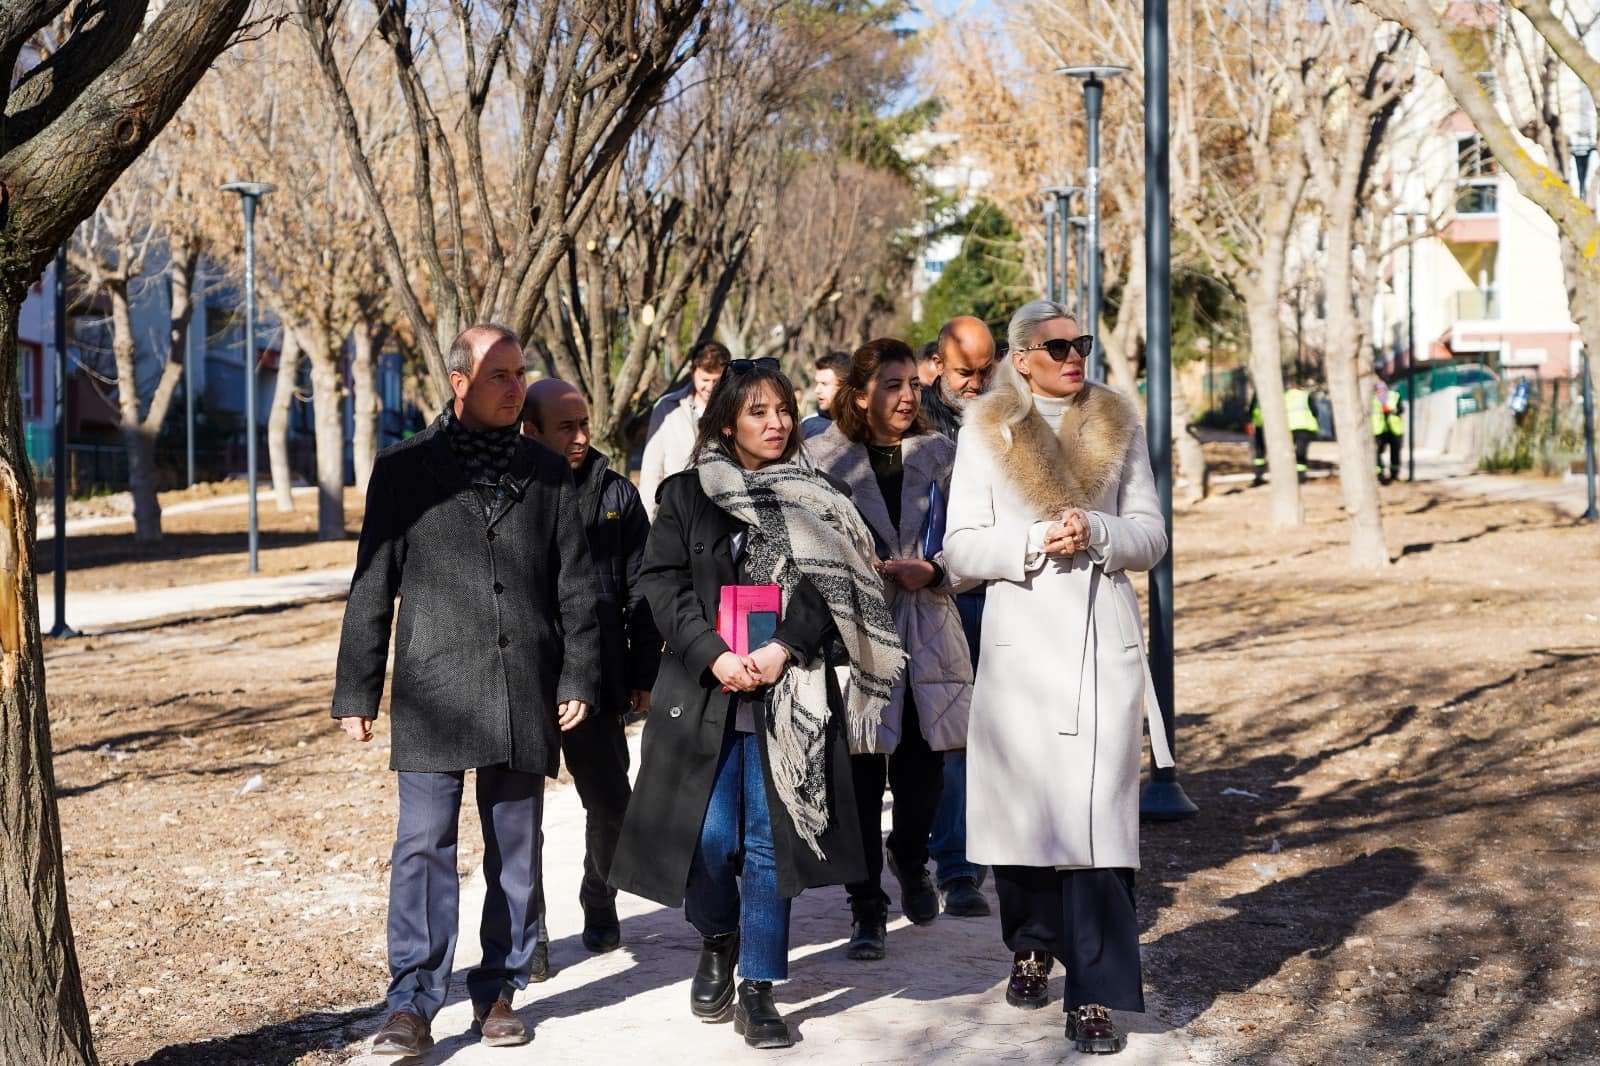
[747,617]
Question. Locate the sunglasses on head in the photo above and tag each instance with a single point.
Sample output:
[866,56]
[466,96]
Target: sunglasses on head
[1062,350]
[744,366]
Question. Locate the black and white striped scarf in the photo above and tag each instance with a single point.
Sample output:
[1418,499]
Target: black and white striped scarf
[801,526]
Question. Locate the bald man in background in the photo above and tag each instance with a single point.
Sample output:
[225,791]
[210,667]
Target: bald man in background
[966,358]
[556,415]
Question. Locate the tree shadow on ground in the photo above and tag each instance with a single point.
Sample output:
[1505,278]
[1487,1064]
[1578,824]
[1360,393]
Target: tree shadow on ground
[91,550]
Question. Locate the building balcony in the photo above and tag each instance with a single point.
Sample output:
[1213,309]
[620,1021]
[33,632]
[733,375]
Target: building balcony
[1477,217]
[1474,317]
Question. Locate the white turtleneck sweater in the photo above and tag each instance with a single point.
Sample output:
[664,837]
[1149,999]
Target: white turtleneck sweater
[1053,410]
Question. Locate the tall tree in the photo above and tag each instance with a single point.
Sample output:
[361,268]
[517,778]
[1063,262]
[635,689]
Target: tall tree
[1353,77]
[516,114]
[76,118]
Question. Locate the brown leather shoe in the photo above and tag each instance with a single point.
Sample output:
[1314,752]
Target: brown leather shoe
[404,1033]
[1092,1031]
[1029,987]
[499,1026]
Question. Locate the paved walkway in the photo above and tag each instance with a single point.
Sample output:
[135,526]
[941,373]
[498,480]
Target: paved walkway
[99,612]
[938,998]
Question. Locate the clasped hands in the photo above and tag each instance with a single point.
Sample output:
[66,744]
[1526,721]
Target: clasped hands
[1069,535]
[909,574]
[746,673]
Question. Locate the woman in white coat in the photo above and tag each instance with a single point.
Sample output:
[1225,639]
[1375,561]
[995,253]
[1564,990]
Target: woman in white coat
[1052,501]
[899,472]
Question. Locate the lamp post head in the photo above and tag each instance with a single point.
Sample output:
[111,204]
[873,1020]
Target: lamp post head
[1582,151]
[252,189]
[1094,72]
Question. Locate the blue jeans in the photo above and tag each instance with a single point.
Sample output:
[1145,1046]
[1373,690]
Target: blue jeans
[947,842]
[719,899]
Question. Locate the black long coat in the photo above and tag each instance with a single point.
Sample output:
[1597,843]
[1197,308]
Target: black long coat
[497,609]
[688,559]
[614,518]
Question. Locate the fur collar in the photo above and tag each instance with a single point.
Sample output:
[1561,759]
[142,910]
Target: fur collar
[1054,471]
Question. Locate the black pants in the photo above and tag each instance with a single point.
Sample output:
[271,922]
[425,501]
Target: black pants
[915,775]
[596,753]
[1391,443]
[1086,919]
[1302,447]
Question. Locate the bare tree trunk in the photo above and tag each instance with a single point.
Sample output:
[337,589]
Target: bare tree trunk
[1266,373]
[327,402]
[1358,479]
[364,382]
[135,441]
[1191,457]
[278,419]
[43,1018]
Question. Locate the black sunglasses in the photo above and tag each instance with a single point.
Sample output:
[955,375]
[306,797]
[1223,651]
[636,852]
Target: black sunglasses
[1062,350]
[744,366]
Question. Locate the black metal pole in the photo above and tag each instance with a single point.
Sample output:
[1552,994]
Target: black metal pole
[1591,513]
[1411,354]
[1064,213]
[58,448]
[188,404]
[1581,161]
[1050,248]
[249,201]
[1163,798]
[1093,90]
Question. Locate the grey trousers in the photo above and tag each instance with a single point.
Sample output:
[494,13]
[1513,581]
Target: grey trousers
[424,888]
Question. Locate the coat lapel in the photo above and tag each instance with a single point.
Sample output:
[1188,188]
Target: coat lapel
[928,458]
[846,460]
[1072,468]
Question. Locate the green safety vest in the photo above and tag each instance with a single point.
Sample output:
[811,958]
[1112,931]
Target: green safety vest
[1297,404]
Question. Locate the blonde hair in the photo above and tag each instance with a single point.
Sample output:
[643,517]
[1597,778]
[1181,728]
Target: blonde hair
[1024,325]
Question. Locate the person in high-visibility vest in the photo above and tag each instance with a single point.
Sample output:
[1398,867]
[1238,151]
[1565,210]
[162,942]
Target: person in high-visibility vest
[1302,425]
[1303,428]
[1388,428]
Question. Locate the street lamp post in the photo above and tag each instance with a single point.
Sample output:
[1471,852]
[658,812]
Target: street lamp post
[1163,798]
[250,194]
[1582,151]
[1061,197]
[1050,247]
[1094,77]
[59,447]
[1080,241]
[1411,350]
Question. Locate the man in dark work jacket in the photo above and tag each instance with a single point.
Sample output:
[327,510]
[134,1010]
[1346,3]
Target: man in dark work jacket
[557,416]
[477,531]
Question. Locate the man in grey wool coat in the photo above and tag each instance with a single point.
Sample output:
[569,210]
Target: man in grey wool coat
[478,532]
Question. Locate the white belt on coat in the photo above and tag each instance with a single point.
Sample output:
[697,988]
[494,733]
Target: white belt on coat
[1160,749]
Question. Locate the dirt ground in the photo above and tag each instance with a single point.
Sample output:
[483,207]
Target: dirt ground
[1393,862]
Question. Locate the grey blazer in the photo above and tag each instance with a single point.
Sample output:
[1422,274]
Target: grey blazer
[497,609]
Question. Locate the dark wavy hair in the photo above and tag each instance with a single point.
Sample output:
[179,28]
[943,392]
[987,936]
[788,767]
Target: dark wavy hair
[865,365]
[729,398]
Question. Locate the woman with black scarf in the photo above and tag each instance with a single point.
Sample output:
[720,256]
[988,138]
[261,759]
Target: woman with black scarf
[743,798]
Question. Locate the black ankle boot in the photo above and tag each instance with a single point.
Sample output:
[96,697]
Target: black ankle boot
[756,1017]
[712,988]
[868,922]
